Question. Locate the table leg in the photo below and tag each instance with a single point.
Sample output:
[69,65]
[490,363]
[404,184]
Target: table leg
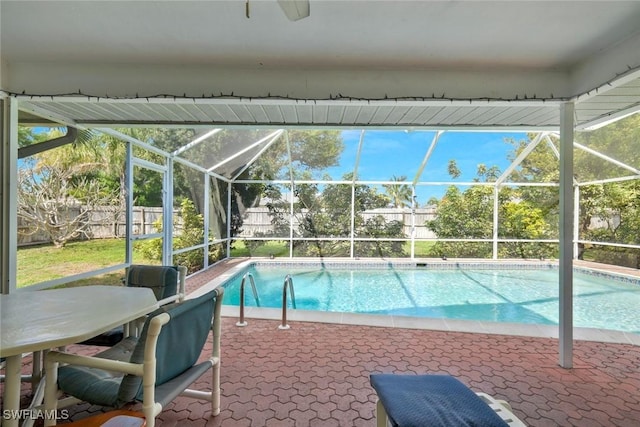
[36,371]
[13,373]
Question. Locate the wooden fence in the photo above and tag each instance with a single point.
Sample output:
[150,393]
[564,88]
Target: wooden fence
[257,220]
[108,223]
[104,222]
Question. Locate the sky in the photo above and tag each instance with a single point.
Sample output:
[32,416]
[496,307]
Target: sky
[388,153]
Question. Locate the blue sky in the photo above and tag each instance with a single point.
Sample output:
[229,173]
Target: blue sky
[387,153]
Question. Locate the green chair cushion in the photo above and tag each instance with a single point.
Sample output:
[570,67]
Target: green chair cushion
[162,280]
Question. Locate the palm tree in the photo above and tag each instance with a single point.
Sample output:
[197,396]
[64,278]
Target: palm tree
[400,194]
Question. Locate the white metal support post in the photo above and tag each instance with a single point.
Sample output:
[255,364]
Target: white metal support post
[129,203]
[8,194]
[353,219]
[496,192]
[352,226]
[292,190]
[413,221]
[229,190]
[206,201]
[566,235]
[291,214]
[167,213]
[9,237]
[576,219]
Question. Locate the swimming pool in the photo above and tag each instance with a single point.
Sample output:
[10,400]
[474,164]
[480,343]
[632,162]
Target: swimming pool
[520,294]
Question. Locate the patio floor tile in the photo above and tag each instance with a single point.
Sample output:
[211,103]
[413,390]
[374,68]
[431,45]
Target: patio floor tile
[602,391]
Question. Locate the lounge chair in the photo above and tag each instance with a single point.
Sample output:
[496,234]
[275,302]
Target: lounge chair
[153,368]
[167,284]
[436,401]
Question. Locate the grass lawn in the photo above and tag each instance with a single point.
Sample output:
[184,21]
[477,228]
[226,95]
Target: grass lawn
[41,263]
[275,248]
[38,264]
[422,249]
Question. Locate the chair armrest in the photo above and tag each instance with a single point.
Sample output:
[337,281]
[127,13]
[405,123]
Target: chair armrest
[94,362]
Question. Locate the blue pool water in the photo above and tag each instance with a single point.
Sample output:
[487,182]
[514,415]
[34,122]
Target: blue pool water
[521,296]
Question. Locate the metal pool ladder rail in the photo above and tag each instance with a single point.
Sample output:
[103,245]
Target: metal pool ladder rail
[287,281]
[241,321]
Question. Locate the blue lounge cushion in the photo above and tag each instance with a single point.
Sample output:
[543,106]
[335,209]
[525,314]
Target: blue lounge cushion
[432,400]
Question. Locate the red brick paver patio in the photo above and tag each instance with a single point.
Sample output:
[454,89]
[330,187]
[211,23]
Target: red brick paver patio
[318,375]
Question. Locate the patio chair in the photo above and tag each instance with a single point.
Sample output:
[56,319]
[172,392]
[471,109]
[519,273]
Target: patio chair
[167,284]
[153,368]
[436,401]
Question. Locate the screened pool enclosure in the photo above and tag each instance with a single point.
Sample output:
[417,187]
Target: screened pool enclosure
[197,196]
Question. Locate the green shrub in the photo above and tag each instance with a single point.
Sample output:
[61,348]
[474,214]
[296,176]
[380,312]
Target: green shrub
[191,234]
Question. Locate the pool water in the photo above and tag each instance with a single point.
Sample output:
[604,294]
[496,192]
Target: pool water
[520,296]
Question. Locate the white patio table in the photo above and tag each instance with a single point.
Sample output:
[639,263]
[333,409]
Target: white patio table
[40,320]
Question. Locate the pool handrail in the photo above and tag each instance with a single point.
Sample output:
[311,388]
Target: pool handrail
[287,280]
[241,321]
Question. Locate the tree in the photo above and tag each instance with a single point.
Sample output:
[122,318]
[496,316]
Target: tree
[326,213]
[610,212]
[332,218]
[453,170]
[187,182]
[400,194]
[59,190]
[464,215]
[614,205]
[309,153]
[521,220]
[46,202]
[468,214]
